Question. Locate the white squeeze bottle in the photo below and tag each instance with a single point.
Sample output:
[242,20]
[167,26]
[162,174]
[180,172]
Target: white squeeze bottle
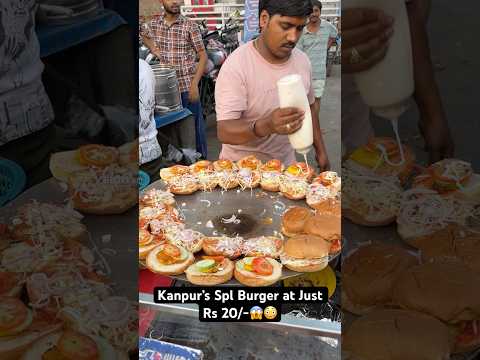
[291,93]
[387,87]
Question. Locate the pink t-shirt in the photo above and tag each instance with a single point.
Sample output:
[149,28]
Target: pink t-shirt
[246,90]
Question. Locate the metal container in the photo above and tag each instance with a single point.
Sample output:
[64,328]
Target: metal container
[167,92]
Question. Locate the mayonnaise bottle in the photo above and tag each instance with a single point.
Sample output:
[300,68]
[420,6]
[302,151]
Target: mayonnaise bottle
[387,87]
[291,93]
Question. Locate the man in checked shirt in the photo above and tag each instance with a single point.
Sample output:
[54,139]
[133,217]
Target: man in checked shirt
[177,42]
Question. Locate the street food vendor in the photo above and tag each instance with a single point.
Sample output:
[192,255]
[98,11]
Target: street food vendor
[371,49]
[177,42]
[27,133]
[249,120]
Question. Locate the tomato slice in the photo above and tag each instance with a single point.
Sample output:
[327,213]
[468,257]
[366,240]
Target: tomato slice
[73,345]
[172,250]
[8,281]
[13,313]
[336,246]
[262,266]
[97,155]
[144,237]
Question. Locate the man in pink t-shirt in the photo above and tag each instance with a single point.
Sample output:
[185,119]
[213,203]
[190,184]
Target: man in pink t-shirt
[249,120]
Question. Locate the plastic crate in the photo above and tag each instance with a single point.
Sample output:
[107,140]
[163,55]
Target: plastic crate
[12,180]
[143,180]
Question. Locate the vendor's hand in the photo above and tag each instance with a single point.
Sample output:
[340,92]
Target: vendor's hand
[365,36]
[193,93]
[322,158]
[438,140]
[286,121]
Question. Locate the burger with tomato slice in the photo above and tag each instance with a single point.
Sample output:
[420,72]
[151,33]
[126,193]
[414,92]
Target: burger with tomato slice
[305,253]
[146,243]
[271,175]
[382,157]
[300,170]
[269,246]
[210,270]
[328,227]
[258,271]
[11,283]
[206,175]
[168,174]
[448,291]
[227,174]
[249,162]
[72,345]
[230,247]
[19,328]
[169,259]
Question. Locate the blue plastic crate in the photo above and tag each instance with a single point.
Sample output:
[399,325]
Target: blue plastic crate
[12,180]
[143,180]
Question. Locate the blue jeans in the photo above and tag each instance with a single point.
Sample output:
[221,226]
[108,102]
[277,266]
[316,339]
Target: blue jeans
[200,132]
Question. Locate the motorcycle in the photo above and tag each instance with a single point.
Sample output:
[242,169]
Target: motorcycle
[219,44]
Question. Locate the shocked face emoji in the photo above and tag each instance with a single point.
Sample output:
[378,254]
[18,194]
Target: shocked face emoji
[270,313]
[256,313]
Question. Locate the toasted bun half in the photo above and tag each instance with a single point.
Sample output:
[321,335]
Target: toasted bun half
[389,334]
[64,164]
[229,247]
[294,219]
[252,279]
[104,350]
[359,219]
[444,290]
[119,203]
[12,347]
[209,279]
[369,274]
[174,269]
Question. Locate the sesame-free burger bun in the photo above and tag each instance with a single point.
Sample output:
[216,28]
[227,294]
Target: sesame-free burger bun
[305,253]
[294,219]
[447,290]
[369,274]
[324,225]
[391,334]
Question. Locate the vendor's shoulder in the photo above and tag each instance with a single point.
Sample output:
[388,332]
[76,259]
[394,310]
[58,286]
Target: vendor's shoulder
[300,56]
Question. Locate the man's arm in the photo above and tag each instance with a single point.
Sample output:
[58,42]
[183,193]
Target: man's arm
[150,43]
[318,144]
[197,42]
[281,121]
[433,123]
[194,94]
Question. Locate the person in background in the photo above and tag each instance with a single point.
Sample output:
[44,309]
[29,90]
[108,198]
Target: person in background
[318,36]
[27,132]
[249,119]
[368,32]
[177,42]
[149,148]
